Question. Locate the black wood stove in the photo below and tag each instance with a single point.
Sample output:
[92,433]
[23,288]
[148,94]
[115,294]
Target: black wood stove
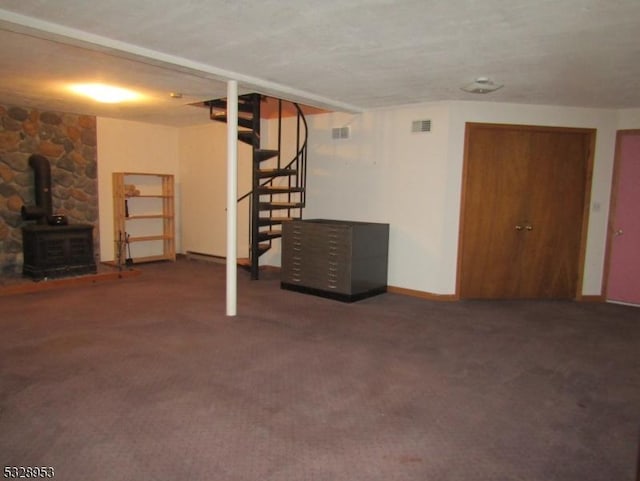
[57,251]
[51,248]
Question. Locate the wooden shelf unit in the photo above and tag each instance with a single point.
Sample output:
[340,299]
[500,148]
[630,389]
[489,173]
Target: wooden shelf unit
[154,204]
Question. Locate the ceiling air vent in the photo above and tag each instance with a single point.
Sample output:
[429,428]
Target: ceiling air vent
[421,126]
[340,133]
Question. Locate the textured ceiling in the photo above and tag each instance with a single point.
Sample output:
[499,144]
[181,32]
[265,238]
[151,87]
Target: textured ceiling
[340,54]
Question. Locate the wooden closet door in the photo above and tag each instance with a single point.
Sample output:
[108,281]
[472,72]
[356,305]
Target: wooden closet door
[496,177]
[523,204]
[554,212]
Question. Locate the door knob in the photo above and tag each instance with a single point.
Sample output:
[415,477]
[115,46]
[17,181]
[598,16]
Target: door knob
[528,227]
[619,232]
[519,227]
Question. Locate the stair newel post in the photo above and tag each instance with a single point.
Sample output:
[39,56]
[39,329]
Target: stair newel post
[304,179]
[304,173]
[279,131]
[255,196]
[297,176]
[301,173]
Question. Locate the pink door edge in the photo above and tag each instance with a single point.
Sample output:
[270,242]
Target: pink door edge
[623,279]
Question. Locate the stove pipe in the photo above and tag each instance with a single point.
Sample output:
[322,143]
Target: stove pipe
[42,180]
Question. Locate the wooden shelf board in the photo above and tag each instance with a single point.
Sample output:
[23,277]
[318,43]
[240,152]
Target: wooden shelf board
[155,174]
[148,216]
[148,196]
[149,238]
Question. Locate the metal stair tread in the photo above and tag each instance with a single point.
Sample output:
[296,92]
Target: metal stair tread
[242,121]
[243,104]
[265,154]
[276,172]
[248,136]
[280,205]
[274,220]
[277,189]
[269,234]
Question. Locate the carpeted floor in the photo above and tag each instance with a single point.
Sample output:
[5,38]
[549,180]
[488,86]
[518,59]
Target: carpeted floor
[146,379]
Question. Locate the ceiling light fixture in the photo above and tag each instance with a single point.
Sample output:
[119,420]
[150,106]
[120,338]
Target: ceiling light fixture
[105,93]
[481,85]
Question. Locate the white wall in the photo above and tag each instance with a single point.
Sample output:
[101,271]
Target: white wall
[629,119]
[203,189]
[125,146]
[385,173]
[203,173]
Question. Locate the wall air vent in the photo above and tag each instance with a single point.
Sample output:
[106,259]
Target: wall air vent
[421,126]
[340,133]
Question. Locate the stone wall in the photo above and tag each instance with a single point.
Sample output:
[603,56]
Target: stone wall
[69,142]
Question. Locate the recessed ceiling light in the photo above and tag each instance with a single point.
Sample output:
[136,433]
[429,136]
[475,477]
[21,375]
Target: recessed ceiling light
[481,85]
[175,95]
[105,93]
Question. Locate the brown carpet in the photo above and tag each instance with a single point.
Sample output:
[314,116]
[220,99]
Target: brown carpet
[146,379]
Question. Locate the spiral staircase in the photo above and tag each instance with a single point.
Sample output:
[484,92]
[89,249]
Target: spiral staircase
[278,186]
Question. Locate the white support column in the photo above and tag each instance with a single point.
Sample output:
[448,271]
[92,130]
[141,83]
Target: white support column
[232,196]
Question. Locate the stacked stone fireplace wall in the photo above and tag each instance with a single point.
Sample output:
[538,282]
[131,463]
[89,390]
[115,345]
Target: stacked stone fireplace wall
[69,142]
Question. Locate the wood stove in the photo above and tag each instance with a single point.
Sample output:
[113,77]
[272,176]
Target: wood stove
[57,251]
[51,248]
